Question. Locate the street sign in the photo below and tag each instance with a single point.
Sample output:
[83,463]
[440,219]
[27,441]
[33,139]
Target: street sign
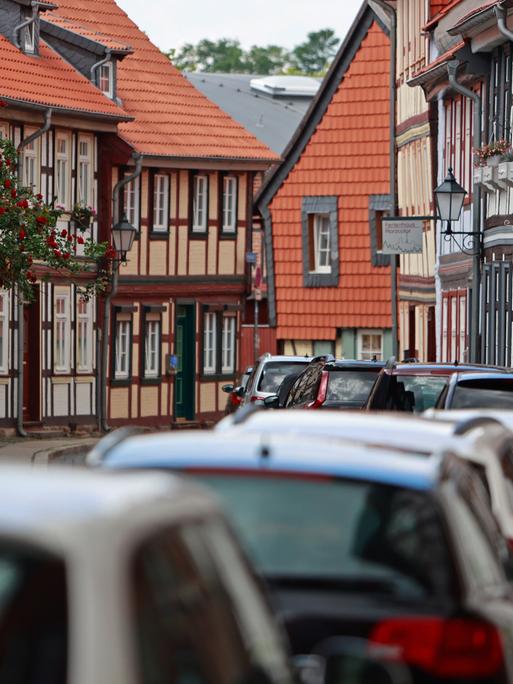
[251,257]
[402,237]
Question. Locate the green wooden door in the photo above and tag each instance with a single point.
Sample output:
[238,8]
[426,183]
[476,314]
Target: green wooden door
[185,337]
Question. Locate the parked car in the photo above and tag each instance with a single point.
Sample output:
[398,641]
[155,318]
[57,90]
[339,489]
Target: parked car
[389,545]
[490,389]
[268,374]
[414,387]
[327,383]
[126,579]
[236,392]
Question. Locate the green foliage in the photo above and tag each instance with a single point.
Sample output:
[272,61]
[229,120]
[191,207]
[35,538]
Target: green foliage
[31,245]
[312,57]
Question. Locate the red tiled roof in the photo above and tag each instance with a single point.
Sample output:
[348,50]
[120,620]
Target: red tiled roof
[348,157]
[48,80]
[439,9]
[89,33]
[172,118]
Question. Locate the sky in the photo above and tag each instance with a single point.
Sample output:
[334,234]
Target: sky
[171,23]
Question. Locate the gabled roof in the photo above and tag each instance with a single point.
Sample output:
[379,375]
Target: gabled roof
[56,24]
[171,118]
[47,80]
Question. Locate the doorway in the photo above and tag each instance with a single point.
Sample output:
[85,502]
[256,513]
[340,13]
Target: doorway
[185,351]
[32,360]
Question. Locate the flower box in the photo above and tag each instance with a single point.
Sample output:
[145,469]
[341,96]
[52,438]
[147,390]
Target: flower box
[478,175]
[490,178]
[505,175]
[494,160]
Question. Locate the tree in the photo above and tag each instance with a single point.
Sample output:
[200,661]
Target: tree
[221,56]
[316,53]
[185,59]
[30,241]
[271,59]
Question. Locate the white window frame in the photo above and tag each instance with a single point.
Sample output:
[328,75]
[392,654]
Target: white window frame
[228,342]
[321,225]
[200,203]
[29,35]
[84,349]
[123,344]
[63,170]
[161,203]
[368,355]
[152,348]
[4,332]
[85,171]
[132,201]
[106,79]
[31,162]
[229,204]
[62,334]
[209,343]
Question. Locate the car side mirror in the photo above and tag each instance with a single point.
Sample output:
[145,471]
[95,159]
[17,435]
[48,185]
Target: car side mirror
[239,391]
[227,388]
[272,401]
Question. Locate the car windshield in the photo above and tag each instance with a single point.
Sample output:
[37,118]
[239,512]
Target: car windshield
[275,372]
[33,617]
[483,393]
[336,533]
[350,387]
[418,392]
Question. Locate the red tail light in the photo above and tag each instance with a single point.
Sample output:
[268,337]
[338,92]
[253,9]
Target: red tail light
[235,399]
[321,392]
[254,398]
[444,648]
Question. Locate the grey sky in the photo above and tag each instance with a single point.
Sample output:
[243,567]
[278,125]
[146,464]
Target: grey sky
[171,23]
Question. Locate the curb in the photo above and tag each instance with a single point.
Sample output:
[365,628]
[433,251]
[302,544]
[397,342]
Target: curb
[60,452]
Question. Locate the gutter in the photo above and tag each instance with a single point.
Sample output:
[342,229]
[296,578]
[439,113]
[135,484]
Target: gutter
[103,366]
[21,331]
[452,68]
[501,14]
[97,65]
[17,29]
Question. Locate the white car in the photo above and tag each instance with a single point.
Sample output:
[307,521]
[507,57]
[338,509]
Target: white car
[126,579]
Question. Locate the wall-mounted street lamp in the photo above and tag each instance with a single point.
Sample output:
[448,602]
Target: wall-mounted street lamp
[123,234]
[449,197]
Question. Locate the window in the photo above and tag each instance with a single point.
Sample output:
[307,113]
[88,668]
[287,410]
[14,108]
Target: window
[122,349]
[319,218]
[30,163]
[152,349]
[84,336]
[200,204]
[62,333]
[4,130]
[160,203]
[106,79]
[228,345]
[85,171]
[500,101]
[209,343]
[62,189]
[131,202]
[4,331]
[229,204]
[29,36]
[370,345]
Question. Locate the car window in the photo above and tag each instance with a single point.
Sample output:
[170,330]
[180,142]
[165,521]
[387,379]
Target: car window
[274,373]
[33,617]
[483,393]
[307,387]
[416,392]
[352,387]
[186,628]
[358,535]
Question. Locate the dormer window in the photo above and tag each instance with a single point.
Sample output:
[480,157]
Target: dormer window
[106,79]
[29,38]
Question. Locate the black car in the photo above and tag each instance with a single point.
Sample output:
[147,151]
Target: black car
[328,384]
[471,390]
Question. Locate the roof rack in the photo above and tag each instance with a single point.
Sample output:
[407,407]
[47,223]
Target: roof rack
[467,424]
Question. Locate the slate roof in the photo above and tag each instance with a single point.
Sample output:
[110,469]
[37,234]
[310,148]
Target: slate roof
[48,80]
[172,118]
[272,120]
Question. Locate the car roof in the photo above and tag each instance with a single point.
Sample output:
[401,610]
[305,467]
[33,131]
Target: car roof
[457,416]
[414,434]
[343,364]
[292,359]
[60,501]
[274,452]
[435,368]
[482,375]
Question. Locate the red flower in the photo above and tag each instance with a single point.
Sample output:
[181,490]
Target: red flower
[39,197]
[80,240]
[53,233]
[31,277]
[66,255]
[50,241]
[57,253]
[41,219]
[14,194]
[7,182]
[23,204]
[7,163]
[110,253]
[22,234]
[2,210]
[21,247]
[30,261]
[64,232]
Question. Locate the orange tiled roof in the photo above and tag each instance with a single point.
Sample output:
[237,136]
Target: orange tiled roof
[347,156]
[172,118]
[89,33]
[48,80]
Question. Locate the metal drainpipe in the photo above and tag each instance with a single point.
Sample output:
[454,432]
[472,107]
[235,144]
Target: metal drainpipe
[24,24]
[102,377]
[103,61]
[21,332]
[452,68]
[393,168]
[501,14]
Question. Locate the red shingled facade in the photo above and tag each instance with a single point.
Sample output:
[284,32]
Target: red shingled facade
[347,157]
